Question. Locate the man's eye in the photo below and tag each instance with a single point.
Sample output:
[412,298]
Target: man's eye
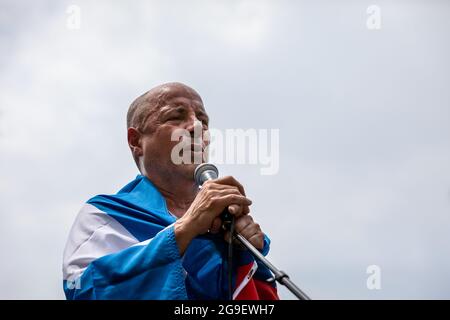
[173,118]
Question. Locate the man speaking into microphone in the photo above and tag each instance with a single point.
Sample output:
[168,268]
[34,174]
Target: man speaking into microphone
[161,236]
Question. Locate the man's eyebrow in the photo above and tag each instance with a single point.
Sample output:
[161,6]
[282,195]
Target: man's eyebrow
[181,108]
[171,108]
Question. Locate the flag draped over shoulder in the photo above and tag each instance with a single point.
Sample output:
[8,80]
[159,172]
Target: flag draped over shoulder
[123,246]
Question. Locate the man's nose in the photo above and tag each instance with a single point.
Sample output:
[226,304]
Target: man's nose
[194,126]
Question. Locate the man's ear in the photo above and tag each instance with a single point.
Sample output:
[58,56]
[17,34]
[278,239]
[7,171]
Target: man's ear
[134,141]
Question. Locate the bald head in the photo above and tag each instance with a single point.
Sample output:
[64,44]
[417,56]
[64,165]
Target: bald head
[154,116]
[155,98]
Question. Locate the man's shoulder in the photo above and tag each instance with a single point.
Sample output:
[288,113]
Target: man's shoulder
[91,217]
[125,193]
[138,206]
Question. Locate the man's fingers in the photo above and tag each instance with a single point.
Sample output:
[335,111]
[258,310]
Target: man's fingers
[226,189]
[257,240]
[211,184]
[250,230]
[216,225]
[238,210]
[243,223]
[229,180]
[234,199]
[234,208]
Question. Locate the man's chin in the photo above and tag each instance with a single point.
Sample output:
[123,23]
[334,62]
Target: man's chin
[187,166]
[187,169]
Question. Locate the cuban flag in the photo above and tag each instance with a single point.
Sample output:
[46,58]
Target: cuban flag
[123,246]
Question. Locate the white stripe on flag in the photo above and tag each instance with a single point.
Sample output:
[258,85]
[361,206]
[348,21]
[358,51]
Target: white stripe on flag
[246,279]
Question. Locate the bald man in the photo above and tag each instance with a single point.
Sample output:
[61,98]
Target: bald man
[160,236]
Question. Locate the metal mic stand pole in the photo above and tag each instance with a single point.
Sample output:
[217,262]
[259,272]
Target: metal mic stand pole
[279,275]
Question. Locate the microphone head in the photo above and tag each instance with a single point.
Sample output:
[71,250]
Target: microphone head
[204,172]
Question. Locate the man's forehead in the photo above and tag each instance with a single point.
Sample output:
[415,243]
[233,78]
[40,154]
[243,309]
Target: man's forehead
[173,96]
[178,93]
[164,96]
[183,100]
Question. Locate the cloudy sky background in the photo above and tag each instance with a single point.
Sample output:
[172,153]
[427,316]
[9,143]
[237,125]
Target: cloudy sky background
[364,120]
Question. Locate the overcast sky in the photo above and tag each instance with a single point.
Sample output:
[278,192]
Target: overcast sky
[363,117]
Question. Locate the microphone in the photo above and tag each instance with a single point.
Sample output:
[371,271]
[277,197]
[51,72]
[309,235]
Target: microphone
[205,172]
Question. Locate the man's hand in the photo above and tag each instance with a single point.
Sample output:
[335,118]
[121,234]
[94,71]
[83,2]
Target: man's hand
[249,229]
[204,212]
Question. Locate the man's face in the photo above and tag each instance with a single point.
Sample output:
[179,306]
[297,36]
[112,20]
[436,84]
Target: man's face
[178,110]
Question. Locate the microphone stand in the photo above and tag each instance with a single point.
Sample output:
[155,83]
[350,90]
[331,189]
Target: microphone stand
[208,171]
[279,275]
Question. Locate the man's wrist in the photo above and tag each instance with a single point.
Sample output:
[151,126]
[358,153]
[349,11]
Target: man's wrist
[183,234]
